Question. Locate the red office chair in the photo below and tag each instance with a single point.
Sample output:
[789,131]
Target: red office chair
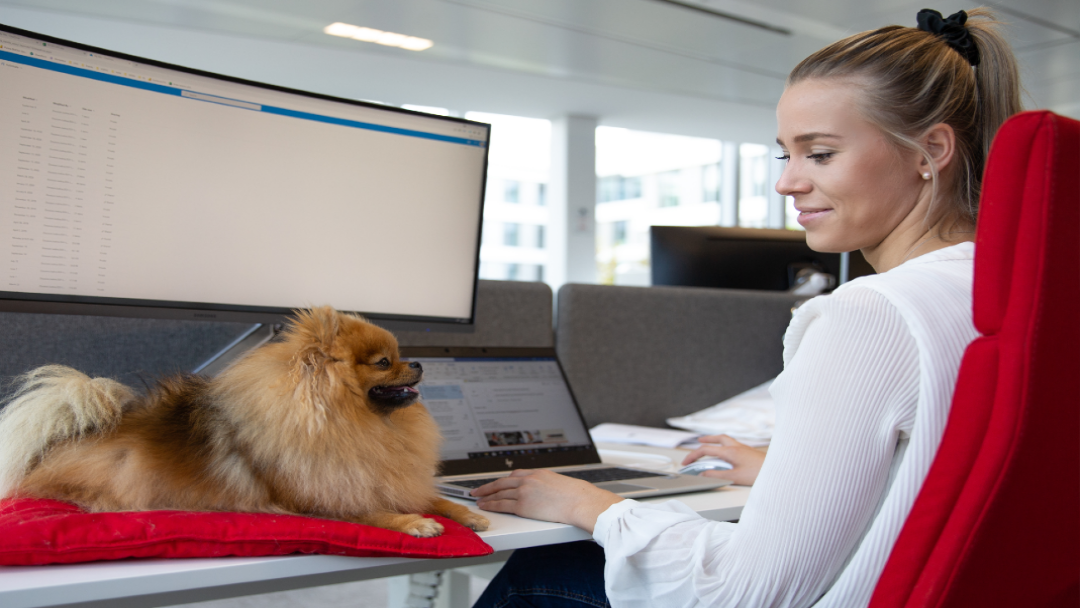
[997,522]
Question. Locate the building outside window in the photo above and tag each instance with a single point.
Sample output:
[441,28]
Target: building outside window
[710,183]
[511,191]
[511,234]
[617,188]
[791,214]
[518,169]
[753,185]
[647,179]
[668,185]
[619,235]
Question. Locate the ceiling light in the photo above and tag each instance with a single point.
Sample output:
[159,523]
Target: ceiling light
[340,29]
[413,43]
[390,39]
[367,34]
[370,34]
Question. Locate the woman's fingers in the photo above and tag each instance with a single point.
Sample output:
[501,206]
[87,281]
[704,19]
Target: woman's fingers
[543,494]
[717,451]
[745,461]
[512,480]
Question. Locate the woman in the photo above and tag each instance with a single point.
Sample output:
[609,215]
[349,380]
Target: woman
[885,134]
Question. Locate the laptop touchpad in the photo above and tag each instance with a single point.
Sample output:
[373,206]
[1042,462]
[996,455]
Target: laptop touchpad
[619,487]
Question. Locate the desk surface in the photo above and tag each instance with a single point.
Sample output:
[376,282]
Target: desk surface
[161,582]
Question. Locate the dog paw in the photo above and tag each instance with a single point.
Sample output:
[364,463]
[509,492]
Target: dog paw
[423,527]
[478,523]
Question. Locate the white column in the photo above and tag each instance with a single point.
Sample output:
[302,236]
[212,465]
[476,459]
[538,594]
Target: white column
[729,185]
[572,189]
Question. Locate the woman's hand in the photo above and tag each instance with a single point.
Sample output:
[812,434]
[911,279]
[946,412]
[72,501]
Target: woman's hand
[745,460]
[543,494]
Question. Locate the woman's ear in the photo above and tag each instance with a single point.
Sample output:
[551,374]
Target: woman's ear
[939,141]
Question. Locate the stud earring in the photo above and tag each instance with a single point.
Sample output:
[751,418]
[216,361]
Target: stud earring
[926,175]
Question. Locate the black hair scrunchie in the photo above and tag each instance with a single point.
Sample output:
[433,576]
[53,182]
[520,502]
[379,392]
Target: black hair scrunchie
[952,30]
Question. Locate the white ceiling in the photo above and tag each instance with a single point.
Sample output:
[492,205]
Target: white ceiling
[645,64]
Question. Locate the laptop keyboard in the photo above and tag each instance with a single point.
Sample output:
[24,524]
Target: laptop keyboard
[589,475]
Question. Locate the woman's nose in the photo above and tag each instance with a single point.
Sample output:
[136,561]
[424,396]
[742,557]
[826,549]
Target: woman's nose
[790,182]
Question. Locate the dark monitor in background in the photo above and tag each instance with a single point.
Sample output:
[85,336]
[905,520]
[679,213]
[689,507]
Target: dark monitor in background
[136,188]
[739,258]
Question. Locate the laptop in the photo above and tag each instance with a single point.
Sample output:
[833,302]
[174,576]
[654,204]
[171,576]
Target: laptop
[502,409]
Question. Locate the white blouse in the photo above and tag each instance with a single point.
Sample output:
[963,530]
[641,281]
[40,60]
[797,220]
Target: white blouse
[861,405]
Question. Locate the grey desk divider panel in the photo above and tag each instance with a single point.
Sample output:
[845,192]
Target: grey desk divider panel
[639,355]
[508,313]
[136,351]
[132,351]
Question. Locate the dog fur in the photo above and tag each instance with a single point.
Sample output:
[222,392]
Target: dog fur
[324,423]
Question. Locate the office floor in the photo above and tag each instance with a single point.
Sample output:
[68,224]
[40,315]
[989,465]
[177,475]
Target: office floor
[363,594]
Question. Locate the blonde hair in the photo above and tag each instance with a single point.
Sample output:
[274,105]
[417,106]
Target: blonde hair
[911,80]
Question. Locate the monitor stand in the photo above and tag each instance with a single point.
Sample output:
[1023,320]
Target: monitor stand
[256,336]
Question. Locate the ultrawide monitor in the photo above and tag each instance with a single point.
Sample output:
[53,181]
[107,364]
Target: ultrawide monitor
[136,188]
[739,258]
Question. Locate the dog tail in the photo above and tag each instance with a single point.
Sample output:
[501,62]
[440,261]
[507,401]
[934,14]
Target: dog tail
[51,404]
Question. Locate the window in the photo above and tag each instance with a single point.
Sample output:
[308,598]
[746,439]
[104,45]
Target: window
[791,214]
[619,236]
[617,188]
[753,185]
[667,185]
[645,179]
[710,183]
[511,191]
[511,232]
[518,168]
[540,230]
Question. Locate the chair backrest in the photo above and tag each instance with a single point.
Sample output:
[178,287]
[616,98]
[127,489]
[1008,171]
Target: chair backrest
[997,521]
[640,355]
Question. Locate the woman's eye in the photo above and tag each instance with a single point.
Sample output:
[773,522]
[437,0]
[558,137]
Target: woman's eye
[784,157]
[820,156]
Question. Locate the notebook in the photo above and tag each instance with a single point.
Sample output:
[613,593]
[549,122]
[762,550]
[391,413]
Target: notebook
[502,409]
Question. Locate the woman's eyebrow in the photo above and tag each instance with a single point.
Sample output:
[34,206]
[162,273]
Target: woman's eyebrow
[810,137]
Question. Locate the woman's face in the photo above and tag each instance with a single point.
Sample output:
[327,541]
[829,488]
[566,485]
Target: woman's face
[853,189]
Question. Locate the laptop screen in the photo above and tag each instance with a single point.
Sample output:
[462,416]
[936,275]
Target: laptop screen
[502,410]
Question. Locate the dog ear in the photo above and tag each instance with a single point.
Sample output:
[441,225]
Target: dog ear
[314,331]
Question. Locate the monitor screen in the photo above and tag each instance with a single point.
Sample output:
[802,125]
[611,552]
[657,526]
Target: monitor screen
[137,188]
[739,258]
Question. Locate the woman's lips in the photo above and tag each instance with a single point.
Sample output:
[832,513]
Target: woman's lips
[810,215]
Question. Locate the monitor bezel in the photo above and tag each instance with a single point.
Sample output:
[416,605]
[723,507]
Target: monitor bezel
[27,302]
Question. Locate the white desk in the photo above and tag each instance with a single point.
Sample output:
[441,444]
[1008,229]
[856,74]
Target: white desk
[142,583]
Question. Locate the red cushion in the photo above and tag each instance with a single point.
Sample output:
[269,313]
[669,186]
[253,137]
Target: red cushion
[35,532]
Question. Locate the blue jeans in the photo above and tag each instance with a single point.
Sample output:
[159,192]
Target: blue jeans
[570,575]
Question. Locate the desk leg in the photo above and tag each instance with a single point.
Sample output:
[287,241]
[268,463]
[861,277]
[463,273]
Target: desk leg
[438,589]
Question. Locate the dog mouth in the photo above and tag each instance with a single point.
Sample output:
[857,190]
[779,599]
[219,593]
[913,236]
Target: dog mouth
[395,396]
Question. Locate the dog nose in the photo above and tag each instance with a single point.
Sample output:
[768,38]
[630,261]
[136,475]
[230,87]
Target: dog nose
[416,365]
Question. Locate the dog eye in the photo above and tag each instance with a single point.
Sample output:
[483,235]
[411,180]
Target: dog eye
[383,363]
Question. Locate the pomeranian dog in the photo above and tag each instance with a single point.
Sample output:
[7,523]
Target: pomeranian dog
[325,422]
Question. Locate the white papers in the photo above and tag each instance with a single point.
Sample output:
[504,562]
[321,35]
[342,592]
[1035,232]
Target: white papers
[747,417]
[610,432]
